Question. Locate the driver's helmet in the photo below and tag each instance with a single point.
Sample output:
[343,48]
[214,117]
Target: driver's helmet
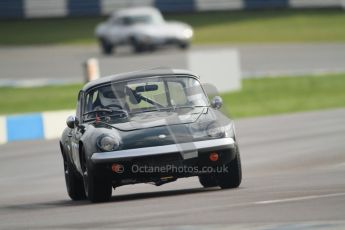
[110,97]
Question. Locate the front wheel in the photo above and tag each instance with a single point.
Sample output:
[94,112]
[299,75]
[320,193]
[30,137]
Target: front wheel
[106,47]
[233,177]
[74,183]
[137,46]
[184,45]
[97,187]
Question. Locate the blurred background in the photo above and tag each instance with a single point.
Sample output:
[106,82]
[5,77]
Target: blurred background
[279,66]
[46,43]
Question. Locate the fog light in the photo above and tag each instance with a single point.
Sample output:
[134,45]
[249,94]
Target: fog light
[117,168]
[214,156]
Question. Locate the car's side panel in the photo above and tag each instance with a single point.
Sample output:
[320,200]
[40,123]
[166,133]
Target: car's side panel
[75,148]
[65,141]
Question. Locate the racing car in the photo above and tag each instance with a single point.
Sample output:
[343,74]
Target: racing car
[143,28]
[152,126]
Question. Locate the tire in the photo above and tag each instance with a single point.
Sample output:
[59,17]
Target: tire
[232,178]
[208,181]
[97,187]
[106,47]
[74,183]
[137,46]
[183,45]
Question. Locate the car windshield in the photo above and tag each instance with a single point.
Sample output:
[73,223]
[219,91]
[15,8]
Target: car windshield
[139,19]
[132,19]
[144,95]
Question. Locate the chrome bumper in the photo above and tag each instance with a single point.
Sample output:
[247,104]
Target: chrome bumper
[187,150]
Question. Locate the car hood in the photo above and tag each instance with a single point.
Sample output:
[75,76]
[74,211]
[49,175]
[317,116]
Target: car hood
[160,128]
[161,118]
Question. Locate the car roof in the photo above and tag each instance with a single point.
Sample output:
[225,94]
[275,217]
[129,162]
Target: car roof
[156,72]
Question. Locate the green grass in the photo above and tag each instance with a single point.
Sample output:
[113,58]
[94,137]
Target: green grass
[286,95]
[48,31]
[210,27]
[258,97]
[23,100]
[268,26]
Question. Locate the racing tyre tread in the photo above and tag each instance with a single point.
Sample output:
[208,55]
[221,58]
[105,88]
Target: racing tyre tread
[74,183]
[99,190]
[97,187]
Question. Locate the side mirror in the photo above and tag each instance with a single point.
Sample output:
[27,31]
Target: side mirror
[217,102]
[71,122]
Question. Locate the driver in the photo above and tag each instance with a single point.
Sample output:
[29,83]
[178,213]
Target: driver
[109,97]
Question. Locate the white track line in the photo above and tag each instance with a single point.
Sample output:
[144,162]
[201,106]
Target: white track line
[299,198]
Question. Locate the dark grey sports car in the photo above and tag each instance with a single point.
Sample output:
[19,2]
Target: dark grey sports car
[151,126]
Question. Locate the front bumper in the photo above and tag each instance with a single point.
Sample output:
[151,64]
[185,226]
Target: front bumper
[187,150]
[162,41]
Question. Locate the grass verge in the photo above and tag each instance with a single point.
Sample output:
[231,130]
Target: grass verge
[324,25]
[264,96]
[269,96]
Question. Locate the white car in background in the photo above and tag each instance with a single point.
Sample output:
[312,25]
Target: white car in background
[142,28]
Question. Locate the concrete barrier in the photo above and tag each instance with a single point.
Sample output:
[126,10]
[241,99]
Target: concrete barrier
[12,9]
[222,67]
[83,7]
[54,123]
[34,126]
[109,6]
[210,5]
[316,3]
[45,8]
[3,130]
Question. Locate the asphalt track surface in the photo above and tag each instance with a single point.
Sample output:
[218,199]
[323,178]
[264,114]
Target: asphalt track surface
[34,65]
[294,178]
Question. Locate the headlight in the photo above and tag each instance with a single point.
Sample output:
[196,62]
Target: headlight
[216,131]
[108,143]
[188,33]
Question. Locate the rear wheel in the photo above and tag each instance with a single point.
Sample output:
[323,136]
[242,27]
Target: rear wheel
[74,183]
[97,187]
[233,177]
[106,47]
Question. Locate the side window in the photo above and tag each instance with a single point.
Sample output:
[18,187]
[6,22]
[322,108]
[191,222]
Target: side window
[91,101]
[115,21]
[177,93]
[124,21]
